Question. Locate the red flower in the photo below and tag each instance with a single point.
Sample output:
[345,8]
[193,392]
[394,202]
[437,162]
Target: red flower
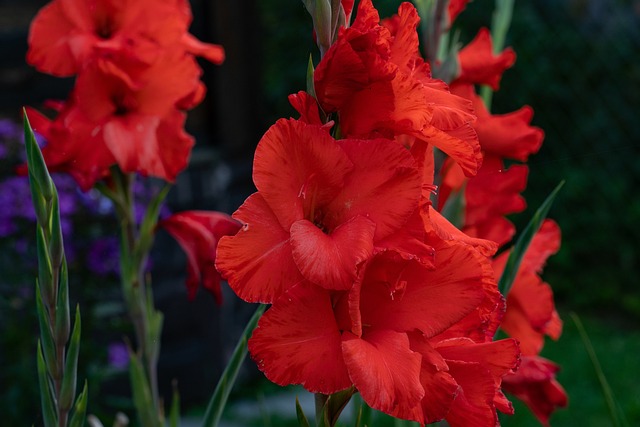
[123,38]
[198,233]
[322,208]
[535,384]
[479,65]
[368,336]
[378,86]
[531,313]
[455,8]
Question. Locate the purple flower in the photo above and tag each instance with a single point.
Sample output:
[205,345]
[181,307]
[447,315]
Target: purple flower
[102,257]
[118,355]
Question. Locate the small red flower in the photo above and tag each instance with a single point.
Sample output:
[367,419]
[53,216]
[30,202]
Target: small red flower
[535,384]
[198,233]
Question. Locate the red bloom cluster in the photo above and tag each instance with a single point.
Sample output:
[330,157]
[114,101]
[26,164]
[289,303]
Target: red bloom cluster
[136,74]
[493,193]
[370,286]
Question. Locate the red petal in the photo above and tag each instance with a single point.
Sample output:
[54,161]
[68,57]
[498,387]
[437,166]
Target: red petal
[479,65]
[297,341]
[298,167]
[332,261]
[198,233]
[385,371]
[257,261]
[211,52]
[473,405]
[397,301]
[384,186]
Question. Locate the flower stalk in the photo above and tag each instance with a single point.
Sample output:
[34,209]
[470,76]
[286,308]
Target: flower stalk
[57,363]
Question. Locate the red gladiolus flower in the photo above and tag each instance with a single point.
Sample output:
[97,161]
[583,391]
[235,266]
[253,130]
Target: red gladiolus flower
[122,38]
[375,336]
[455,8]
[378,86]
[531,313]
[535,384]
[479,65]
[198,233]
[322,208]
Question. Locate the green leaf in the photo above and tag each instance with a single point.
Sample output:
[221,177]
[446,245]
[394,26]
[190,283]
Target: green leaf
[302,418]
[174,412]
[225,384]
[617,416]
[68,389]
[80,408]
[62,305]
[46,397]
[522,244]
[46,335]
[142,399]
[454,207]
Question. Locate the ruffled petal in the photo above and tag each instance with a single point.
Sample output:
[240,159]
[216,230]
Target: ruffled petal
[479,65]
[297,168]
[332,260]
[384,186]
[385,371]
[297,341]
[257,261]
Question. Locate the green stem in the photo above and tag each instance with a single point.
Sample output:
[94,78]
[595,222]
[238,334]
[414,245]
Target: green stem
[499,28]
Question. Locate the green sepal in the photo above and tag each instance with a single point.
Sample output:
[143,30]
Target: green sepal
[302,418]
[68,389]
[46,394]
[56,244]
[45,269]
[62,306]
[333,407]
[225,383]
[142,399]
[311,88]
[522,244]
[80,408]
[174,412]
[147,228]
[322,24]
[46,335]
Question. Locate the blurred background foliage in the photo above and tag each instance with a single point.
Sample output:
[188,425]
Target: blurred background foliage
[578,67]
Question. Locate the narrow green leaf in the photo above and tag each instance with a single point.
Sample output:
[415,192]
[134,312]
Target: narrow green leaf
[141,391]
[367,413]
[36,165]
[302,418]
[454,207]
[46,335]
[80,408]
[174,412]
[68,389]
[62,306]
[225,384]
[617,417]
[522,244]
[46,398]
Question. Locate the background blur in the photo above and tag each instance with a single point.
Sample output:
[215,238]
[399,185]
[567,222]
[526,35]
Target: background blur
[577,67]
